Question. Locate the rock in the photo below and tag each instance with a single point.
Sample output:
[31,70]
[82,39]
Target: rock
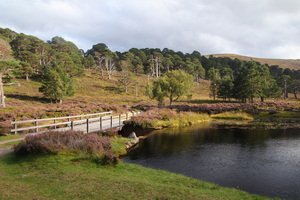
[133,136]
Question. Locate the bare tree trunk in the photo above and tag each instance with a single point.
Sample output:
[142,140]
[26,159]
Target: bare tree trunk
[285,89]
[110,67]
[99,64]
[2,97]
[156,67]
[295,94]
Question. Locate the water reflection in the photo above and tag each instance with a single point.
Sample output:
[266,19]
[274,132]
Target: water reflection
[258,160]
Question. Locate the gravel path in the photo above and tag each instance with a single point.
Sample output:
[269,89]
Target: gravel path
[13,140]
[7,150]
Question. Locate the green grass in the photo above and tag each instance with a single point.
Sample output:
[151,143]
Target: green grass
[118,145]
[163,117]
[279,114]
[58,177]
[233,115]
[8,145]
[183,119]
[10,137]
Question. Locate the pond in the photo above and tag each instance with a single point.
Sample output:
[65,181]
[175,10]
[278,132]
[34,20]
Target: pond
[260,158]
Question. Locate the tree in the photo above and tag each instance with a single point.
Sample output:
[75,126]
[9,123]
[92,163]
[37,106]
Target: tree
[295,87]
[214,76]
[254,80]
[286,79]
[101,53]
[5,50]
[156,60]
[171,85]
[199,71]
[26,69]
[31,59]
[7,67]
[88,62]
[56,84]
[126,79]
[225,89]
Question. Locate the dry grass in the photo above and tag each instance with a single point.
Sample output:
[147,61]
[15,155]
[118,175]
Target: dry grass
[283,63]
[233,115]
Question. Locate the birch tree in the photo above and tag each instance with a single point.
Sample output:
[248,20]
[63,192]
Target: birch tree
[7,68]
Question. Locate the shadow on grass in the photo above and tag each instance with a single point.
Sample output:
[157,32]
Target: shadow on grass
[11,158]
[28,98]
[113,89]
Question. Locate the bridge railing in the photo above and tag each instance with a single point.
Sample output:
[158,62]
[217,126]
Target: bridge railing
[70,122]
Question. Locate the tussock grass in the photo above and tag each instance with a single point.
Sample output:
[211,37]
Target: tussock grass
[233,115]
[163,117]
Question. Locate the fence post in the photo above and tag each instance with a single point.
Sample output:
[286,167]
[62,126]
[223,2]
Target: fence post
[55,123]
[132,114]
[120,121]
[87,125]
[101,124]
[72,125]
[15,127]
[111,121]
[126,116]
[36,123]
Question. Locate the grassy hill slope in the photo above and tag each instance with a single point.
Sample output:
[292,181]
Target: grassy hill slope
[283,63]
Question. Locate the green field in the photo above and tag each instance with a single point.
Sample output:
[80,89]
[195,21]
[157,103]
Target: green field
[58,177]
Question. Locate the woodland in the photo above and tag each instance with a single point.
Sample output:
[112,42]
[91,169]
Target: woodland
[55,62]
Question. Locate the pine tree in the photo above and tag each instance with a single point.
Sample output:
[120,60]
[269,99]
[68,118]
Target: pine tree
[56,84]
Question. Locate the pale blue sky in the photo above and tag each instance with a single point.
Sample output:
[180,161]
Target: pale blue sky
[257,28]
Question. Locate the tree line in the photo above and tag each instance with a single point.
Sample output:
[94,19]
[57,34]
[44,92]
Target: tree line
[56,61]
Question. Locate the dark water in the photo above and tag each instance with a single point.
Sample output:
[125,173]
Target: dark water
[257,160]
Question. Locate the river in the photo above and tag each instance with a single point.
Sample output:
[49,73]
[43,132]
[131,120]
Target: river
[260,158]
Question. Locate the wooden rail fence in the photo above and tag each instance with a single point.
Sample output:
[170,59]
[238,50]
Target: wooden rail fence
[85,123]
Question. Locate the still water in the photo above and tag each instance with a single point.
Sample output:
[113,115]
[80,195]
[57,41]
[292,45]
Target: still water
[258,159]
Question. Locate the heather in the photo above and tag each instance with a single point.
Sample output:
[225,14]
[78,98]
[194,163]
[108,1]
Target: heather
[92,95]
[163,117]
[37,111]
[251,108]
[87,146]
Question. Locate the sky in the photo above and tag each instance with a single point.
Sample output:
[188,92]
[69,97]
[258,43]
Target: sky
[256,28]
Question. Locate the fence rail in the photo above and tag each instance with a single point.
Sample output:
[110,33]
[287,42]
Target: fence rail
[103,121]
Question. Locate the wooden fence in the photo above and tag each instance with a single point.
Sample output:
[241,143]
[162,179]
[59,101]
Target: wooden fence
[85,123]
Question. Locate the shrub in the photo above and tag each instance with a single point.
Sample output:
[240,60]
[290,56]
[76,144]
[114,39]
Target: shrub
[90,146]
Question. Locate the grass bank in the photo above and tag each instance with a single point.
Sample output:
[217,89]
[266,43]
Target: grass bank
[164,117]
[233,115]
[58,177]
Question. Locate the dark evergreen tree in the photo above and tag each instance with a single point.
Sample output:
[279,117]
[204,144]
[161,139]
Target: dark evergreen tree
[56,84]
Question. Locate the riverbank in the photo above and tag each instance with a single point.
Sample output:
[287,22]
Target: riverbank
[61,177]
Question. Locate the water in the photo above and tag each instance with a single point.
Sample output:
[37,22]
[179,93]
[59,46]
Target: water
[254,159]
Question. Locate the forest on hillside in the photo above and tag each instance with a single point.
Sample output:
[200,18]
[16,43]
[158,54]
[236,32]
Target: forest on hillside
[55,62]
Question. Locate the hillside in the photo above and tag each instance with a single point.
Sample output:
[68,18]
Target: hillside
[283,63]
